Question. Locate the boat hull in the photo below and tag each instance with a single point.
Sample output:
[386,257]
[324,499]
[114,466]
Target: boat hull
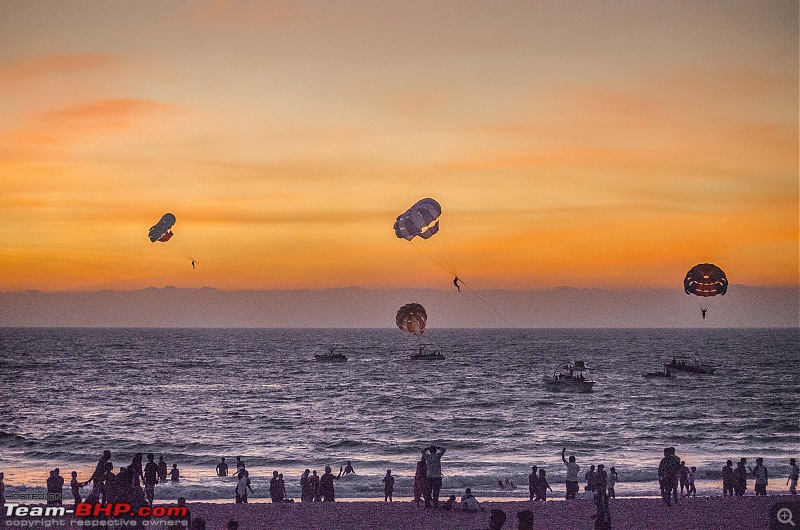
[562,385]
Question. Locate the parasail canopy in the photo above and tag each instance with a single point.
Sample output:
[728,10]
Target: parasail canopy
[421,220]
[705,279]
[161,230]
[411,318]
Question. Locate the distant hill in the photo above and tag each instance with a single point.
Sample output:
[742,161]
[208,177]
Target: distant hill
[742,306]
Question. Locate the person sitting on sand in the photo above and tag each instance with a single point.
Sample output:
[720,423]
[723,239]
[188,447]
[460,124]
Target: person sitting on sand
[326,484]
[572,474]
[388,486]
[449,503]
[469,503]
[222,468]
[532,478]
[542,486]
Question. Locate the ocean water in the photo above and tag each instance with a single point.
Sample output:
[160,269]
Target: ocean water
[194,395]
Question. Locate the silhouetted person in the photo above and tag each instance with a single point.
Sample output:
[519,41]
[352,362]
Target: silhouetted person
[239,463]
[275,488]
[2,490]
[135,470]
[162,469]
[497,518]
[525,520]
[703,311]
[683,477]
[55,485]
[433,473]
[420,480]
[222,468]
[761,475]
[175,474]
[349,469]
[449,503]
[572,474]
[326,484]
[727,478]
[306,487]
[691,490]
[75,488]
[590,477]
[542,486]
[150,479]
[469,503]
[668,475]
[314,483]
[98,477]
[740,478]
[532,478]
[601,480]
[794,472]
[242,485]
[388,486]
[602,517]
[612,481]
[455,282]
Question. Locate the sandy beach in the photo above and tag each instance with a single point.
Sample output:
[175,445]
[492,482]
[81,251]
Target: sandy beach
[647,514]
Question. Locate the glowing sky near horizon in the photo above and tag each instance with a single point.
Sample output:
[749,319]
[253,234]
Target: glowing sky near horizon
[610,144]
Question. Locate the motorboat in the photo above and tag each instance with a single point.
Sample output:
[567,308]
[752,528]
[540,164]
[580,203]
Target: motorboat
[691,365]
[331,356]
[425,355]
[662,374]
[569,377]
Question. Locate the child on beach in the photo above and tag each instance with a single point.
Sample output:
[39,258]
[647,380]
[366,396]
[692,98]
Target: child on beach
[75,486]
[449,503]
[793,474]
[542,486]
[612,480]
[469,503]
[388,486]
[690,490]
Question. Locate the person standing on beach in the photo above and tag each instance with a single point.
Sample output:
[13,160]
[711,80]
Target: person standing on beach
[314,484]
[542,486]
[242,485]
[274,488]
[572,474]
[761,475]
[433,464]
[222,468]
[75,487]
[591,479]
[691,490]
[2,490]
[306,488]
[668,475]
[532,487]
[683,478]
[55,484]
[326,484]
[612,481]
[162,469]
[150,478]
[727,478]
[98,477]
[740,478]
[420,480]
[794,472]
[388,486]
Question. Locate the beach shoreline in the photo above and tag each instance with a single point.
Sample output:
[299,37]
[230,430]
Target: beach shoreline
[707,513]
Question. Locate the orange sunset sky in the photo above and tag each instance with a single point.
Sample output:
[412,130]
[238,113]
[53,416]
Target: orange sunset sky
[611,144]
